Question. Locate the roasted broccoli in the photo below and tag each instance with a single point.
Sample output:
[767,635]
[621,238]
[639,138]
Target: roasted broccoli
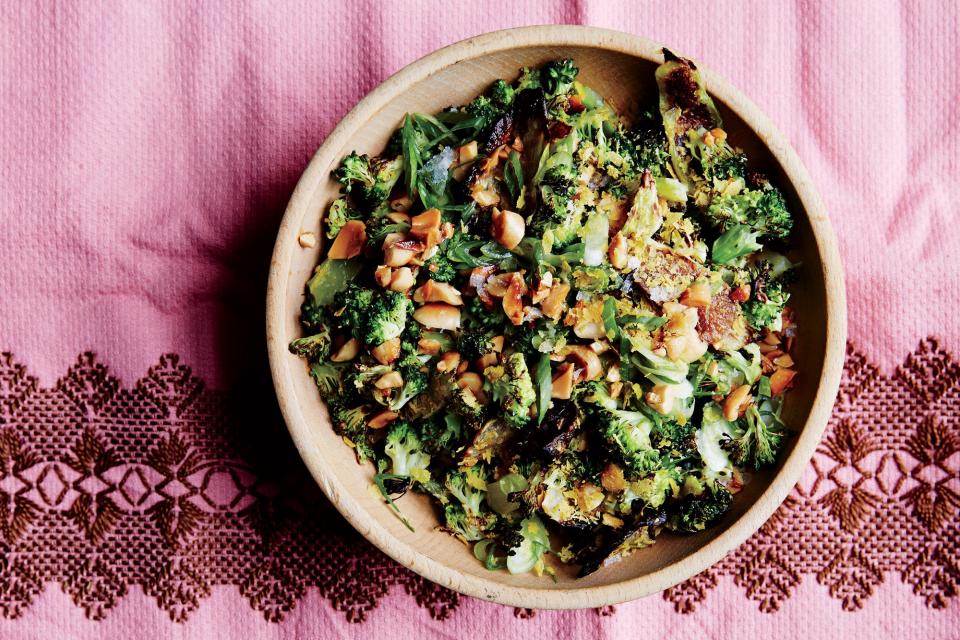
[558,77]
[502,94]
[529,79]
[764,309]
[406,452]
[439,268]
[758,444]
[763,211]
[473,343]
[697,512]
[513,389]
[466,515]
[371,180]
[373,317]
[312,347]
[642,147]
[337,215]
[351,424]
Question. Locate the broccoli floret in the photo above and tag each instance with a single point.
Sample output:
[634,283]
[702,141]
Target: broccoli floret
[410,365]
[484,110]
[558,77]
[720,161]
[764,309]
[326,375]
[568,492]
[337,215]
[760,442]
[513,389]
[313,347]
[466,526]
[642,147]
[529,79]
[473,343]
[443,434]
[466,514]
[502,94]
[439,268]
[406,452]
[465,405]
[555,213]
[351,424]
[370,179]
[312,316]
[627,432]
[477,316]
[373,317]
[697,512]
[763,210]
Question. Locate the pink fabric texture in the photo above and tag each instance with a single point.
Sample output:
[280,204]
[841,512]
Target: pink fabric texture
[148,150]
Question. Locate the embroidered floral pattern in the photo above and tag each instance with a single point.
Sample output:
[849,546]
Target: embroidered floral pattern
[177,488]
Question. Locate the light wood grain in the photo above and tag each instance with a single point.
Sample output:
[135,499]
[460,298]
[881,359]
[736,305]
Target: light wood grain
[621,67]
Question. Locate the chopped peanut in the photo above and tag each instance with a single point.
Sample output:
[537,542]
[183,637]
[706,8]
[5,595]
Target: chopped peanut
[508,228]
[386,352]
[398,216]
[780,380]
[401,202]
[662,398]
[467,152]
[424,223]
[474,383]
[784,361]
[433,291]
[496,285]
[681,339]
[390,380]
[553,305]
[307,239]
[563,382]
[449,361]
[618,252]
[395,255]
[697,295]
[543,288]
[348,351]
[438,315]
[611,479]
[513,298]
[382,419]
[737,402]
[586,360]
[402,279]
[497,342]
[613,373]
[486,360]
[383,275]
[429,346]
[349,242]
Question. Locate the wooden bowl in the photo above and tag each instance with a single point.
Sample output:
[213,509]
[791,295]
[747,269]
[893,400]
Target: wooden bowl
[621,67]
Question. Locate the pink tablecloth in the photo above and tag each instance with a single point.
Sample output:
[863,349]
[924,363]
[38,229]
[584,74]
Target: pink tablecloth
[146,154]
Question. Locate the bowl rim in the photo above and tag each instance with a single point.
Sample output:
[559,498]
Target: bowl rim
[574,597]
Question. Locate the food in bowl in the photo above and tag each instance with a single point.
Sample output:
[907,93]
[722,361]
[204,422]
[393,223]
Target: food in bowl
[569,330]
